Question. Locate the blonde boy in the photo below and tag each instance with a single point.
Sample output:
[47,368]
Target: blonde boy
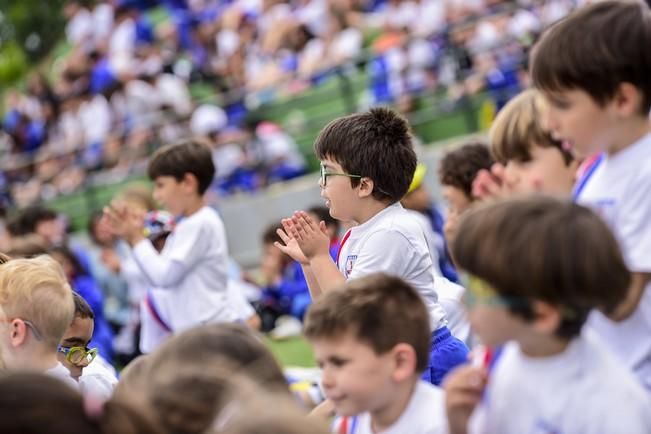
[36,308]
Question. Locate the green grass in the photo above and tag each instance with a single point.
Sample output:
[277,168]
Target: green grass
[292,352]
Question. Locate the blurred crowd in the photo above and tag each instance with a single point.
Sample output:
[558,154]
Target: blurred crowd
[124,87]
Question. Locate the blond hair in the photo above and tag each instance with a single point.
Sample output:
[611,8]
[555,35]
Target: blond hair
[36,289]
[518,127]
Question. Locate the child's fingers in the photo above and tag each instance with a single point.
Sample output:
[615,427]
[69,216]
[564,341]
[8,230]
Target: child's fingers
[280,246]
[323,228]
[283,236]
[307,223]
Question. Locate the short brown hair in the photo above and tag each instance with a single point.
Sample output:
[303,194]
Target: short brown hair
[187,375]
[57,408]
[176,160]
[517,128]
[460,166]
[595,49]
[541,248]
[270,236]
[36,289]
[380,310]
[375,144]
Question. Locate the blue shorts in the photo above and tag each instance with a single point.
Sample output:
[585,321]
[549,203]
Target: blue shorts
[446,353]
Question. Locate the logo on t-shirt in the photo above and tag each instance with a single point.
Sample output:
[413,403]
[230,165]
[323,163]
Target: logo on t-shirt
[350,263]
[544,427]
[606,209]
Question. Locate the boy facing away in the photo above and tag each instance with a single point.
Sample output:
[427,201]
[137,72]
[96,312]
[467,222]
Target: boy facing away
[36,308]
[190,273]
[605,110]
[367,164]
[538,267]
[372,342]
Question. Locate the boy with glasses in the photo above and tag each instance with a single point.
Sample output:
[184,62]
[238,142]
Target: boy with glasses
[94,375]
[367,164]
[36,307]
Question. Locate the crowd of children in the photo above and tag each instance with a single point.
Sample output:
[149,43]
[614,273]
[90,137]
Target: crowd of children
[526,310]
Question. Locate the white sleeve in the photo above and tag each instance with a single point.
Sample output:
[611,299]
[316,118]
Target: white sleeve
[633,228]
[161,272]
[238,300]
[191,242]
[387,251]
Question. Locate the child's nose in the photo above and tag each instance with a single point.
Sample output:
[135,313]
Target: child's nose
[327,379]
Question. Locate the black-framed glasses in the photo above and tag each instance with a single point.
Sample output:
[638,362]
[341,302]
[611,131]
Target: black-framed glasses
[324,175]
[79,355]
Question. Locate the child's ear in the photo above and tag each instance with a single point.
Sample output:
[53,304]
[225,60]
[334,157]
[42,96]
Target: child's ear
[17,333]
[190,181]
[627,100]
[404,359]
[547,317]
[365,187]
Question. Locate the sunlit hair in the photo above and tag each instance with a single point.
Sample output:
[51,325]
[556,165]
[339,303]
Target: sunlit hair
[36,289]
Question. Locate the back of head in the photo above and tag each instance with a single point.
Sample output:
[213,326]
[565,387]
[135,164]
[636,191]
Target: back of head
[35,403]
[460,166]
[37,290]
[185,157]
[375,144]
[518,127]
[544,249]
[381,311]
[133,381]
[266,414]
[189,376]
[597,48]
[226,341]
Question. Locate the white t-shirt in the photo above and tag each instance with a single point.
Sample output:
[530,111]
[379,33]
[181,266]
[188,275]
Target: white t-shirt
[619,191]
[583,390]
[393,242]
[98,379]
[189,276]
[425,414]
[61,372]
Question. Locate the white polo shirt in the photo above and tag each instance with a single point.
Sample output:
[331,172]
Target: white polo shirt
[393,242]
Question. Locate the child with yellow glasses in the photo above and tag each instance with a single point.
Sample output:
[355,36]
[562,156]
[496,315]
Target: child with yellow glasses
[94,375]
[539,266]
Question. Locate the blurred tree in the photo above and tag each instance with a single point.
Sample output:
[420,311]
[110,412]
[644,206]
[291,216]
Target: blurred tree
[29,29]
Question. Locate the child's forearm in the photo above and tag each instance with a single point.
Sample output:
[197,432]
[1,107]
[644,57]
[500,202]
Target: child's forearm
[312,284]
[326,273]
[159,270]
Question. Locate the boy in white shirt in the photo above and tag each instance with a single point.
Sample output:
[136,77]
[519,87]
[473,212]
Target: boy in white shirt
[367,164]
[538,266]
[371,339]
[95,376]
[606,110]
[190,273]
[36,307]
